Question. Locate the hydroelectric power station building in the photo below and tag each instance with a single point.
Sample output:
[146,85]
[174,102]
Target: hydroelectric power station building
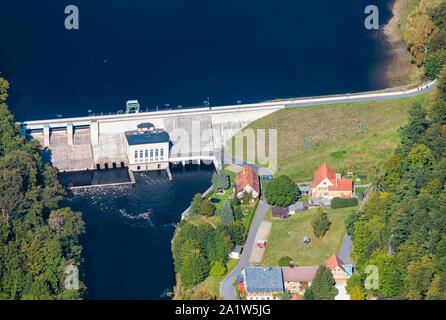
[147,148]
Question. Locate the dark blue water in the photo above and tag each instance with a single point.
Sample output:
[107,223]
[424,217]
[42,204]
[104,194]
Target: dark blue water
[172,52]
[179,52]
[129,231]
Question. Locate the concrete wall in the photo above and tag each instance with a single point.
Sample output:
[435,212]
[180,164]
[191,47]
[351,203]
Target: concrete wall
[200,133]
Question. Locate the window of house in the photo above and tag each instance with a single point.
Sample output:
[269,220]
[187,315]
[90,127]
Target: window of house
[156,154]
[141,154]
[162,153]
[151,154]
[136,155]
[147,155]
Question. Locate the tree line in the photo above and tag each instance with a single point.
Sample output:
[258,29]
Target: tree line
[38,238]
[402,228]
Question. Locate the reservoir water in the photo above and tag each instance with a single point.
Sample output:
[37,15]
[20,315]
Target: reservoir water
[165,54]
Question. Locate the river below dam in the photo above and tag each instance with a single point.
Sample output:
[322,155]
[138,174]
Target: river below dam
[127,244]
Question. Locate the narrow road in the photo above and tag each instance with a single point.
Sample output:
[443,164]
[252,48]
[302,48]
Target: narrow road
[345,250]
[226,289]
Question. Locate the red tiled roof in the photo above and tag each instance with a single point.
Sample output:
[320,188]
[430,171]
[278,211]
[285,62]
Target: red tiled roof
[296,298]
[324,172]
[299,274]
[247,176]
[333,262]
[342,185]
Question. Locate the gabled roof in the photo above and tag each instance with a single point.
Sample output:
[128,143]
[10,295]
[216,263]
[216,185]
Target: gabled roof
[299,274]
[323,173]
[333,262]
[342,185]
[247,176]
[264,279]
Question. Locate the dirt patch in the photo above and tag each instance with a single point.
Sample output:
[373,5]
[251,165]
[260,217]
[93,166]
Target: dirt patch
[399,67]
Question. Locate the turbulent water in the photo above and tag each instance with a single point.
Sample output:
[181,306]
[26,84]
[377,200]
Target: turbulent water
[129,231]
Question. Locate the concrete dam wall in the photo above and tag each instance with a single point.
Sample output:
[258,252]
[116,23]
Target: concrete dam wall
[101,141]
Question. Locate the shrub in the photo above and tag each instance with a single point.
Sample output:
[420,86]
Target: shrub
[337,203]
[285,261]
[339,154]
[218,269]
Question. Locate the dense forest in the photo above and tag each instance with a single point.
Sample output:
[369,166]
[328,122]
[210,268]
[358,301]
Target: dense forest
[38,239]
[402,228]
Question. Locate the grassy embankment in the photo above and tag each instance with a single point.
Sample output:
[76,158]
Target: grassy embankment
[285,238]
[334,137]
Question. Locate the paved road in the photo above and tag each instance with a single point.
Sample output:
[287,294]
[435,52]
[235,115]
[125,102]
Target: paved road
[346,248]
[226,289]
[228,159]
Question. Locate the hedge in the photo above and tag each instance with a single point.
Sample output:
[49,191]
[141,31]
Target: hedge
[337,203]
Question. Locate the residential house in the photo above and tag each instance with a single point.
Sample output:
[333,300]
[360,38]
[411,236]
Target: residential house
[297,279]
[328,185]
[147,148]
[341,272]
[279,212]
[298,207]
[247,180]
[263,283]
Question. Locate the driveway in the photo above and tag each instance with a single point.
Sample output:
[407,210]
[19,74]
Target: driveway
[226,289]
[346,248]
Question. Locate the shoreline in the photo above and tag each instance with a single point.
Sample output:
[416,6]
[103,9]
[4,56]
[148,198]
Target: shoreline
[398,68]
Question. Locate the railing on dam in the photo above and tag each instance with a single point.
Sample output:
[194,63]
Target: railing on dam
[277,104]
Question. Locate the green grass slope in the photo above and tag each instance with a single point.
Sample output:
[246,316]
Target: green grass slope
[334,136]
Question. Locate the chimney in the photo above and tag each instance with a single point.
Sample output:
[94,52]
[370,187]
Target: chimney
[291,264]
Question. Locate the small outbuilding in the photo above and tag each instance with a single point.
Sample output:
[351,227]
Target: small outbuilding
[279,212]
[298,207]
[236,252]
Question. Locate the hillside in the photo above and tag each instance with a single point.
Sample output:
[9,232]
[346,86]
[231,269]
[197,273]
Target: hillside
[333,135]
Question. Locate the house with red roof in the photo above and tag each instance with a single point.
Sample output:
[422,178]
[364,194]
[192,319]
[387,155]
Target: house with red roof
[247,180]
[338,269]
[328,185]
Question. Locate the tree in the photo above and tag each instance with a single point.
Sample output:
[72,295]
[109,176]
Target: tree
[194,269]
[236,231]
[218,269]
[226,214]
[421,157]
[438,108]
[355,287]
[246,196]
[390,282]
[220,180]
[207,208]
[320,223]
[202,294]
[195,205]
[308,294]
[411,134]
[281,191]
[420,30]
[323,285]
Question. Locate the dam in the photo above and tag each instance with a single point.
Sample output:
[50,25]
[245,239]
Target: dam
[194,135]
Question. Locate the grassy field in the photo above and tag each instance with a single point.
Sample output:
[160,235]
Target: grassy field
[285,238]
[334,137]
